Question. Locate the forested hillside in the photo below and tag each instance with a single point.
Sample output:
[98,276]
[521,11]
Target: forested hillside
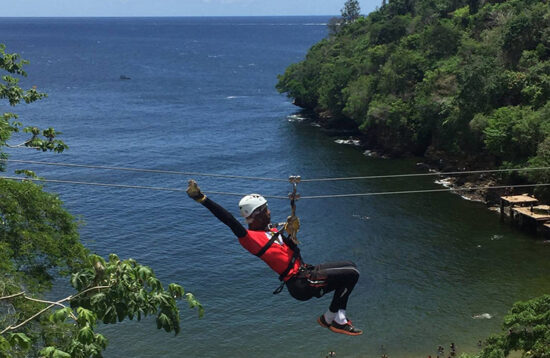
[463,80]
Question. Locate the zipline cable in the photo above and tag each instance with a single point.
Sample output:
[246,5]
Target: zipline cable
[435,173]
[124,186]
[159,171]
[424,191]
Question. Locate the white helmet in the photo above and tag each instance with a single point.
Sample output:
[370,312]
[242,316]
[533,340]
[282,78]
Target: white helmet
[249,203]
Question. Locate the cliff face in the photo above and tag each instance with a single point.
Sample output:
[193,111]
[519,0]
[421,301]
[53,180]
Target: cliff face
[466,79]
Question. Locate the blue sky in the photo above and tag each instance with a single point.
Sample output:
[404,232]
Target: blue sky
[177,7]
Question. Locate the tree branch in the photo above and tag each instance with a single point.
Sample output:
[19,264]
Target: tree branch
[51,304]
[11,328]
[21,145]
[85,291]
[58,303]
[12,296]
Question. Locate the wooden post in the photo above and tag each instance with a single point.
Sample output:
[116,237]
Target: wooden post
[501,210]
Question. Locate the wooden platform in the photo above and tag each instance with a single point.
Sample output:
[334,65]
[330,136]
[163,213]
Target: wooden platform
[525,213]
[538,213]
[522,199]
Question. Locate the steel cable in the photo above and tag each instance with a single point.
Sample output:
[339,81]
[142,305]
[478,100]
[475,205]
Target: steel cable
[160,171]
[125,186]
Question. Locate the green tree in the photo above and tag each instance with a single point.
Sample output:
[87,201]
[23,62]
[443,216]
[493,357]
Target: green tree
[334,25]
[526,330]
[41,139]
[453,64]
[39,241]
[351,11]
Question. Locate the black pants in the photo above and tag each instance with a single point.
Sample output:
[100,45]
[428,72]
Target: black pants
[315,281]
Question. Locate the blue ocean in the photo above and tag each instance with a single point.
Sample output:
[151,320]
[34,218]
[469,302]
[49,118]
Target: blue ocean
[197,95]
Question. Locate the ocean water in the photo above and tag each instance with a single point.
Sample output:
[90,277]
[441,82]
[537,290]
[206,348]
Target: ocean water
[201,98]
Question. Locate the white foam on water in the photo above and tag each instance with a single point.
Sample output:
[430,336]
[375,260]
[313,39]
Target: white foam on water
[471,199]
[446,182]
[350,141]
[482,316]
[295,118]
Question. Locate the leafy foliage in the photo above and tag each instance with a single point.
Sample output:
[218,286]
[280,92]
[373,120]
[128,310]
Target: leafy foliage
[467,78]
[39,240]
[37,234]
[351,11]
[42,139]
[108,291]
[112,291]
[526,330]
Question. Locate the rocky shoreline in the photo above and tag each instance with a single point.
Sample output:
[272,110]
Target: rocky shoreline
[473,187]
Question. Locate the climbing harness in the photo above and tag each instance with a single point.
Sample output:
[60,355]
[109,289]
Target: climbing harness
[296,255]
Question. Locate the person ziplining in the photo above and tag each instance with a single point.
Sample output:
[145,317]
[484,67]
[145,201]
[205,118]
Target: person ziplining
[282,254]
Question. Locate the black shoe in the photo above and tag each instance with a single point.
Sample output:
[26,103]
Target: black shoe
[322,321]
[346,328]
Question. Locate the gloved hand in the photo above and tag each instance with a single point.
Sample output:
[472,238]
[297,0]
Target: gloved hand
[194,191]
[292,226]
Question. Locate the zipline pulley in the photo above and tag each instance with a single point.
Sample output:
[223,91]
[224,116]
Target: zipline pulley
[292,225]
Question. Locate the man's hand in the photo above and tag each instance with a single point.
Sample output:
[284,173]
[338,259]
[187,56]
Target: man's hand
[292,226]
[194,191]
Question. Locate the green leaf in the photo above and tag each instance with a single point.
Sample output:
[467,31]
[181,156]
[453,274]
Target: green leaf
[47,352]
[21,340]
[27,173]
[98,299]
[60,315]
[4,345]
[96,259]
[85,335]
[101,341]
[193,302]
[110,315]
[60,354]
[82,279]
[163,321]
[176,290]
[144,272]
[86,316]
[162,299]
[154,283]
[113,259]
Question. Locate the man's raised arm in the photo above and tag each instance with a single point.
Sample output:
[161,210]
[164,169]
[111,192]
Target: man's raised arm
[221,213]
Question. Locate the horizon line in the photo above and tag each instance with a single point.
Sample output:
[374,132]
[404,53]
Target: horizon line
[155,16]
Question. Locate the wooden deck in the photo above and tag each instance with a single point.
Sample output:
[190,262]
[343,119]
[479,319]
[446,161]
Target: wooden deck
[519,200]
[524,212]
[538,213]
